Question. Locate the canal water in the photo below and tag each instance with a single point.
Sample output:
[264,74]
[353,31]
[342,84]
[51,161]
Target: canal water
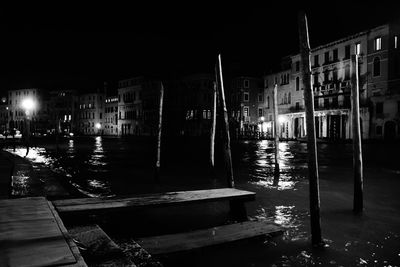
[107,167]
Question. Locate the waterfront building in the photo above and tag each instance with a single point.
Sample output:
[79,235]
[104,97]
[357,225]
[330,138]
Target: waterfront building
[111,115]
[64,110]
[379,63]
[91,111]
[196,91]
[138,102]
[39,115]
[245,99]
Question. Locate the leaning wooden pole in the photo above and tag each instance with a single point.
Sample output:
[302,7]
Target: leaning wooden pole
[357,149]
[227,140]
[311,139]
[213,125]
[276,129]
[159,130]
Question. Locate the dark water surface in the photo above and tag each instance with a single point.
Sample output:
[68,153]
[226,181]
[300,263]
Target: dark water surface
[104,167]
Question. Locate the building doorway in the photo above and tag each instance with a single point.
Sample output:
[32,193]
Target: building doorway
[390,130]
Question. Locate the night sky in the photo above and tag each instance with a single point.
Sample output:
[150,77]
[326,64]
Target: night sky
[79,47]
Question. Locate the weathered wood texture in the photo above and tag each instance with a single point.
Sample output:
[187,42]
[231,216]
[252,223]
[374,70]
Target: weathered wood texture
[313,174]
[31,234]
[358,204]
[152,200]
[207,237]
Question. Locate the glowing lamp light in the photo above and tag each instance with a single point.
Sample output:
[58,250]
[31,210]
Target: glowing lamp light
[98,125]
[262,118]
[28,104]
[281,119]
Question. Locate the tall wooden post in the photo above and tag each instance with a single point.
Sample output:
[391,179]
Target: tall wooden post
[58,134]
[310,123]
[159,128]
[276,130]
[213,125]
[357,150]
[225,126]
[28,134]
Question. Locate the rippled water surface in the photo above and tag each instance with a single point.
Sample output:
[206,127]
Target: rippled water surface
[107,167]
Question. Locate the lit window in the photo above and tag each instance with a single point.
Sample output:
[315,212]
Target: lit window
[395,42]
[357,49]
[260,112]
[246,111]
[378,43]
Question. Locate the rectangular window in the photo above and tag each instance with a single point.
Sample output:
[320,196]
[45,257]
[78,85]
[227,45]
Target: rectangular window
[297,83]
[266,83]
[246,83]
[395,42]
[326,57]
[260,112]
[260,98]
[297,105]
[316,61]
[335,55]
[326,76]
[379,108]
[357,48]
[297,65]
[378,130]
[347,52]
[245,111]
[326,102]
[246,96]
[378,43]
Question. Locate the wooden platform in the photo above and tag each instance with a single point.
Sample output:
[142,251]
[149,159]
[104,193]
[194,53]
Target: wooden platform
[152,200]
[32,234]
[207,237]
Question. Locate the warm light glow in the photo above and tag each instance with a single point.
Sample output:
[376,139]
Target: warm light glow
[28,104]
[98,125]
[262,118]
[282,119]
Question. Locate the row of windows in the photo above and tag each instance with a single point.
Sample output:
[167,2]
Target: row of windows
[89,115]
[111,109]
[25,93]
[194,114]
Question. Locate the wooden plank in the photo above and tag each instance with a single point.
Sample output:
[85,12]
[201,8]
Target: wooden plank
[207,237]
[162,199]
[34,239]
[74,248]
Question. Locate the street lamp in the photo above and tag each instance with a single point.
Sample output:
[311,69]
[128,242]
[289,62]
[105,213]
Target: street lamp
[28,104]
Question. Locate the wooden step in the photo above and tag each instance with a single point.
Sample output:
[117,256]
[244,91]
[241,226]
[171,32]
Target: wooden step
[152,200]
[207,237]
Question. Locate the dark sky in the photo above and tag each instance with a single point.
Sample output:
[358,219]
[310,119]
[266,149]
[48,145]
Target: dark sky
[80,46]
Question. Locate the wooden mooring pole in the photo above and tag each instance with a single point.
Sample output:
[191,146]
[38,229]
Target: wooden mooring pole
[276,132]
[159,130]
[213,125]
[305,52]
[225,126]
[357,149]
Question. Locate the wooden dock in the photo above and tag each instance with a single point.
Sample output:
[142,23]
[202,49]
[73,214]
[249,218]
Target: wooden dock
[92,205]
[32,234]
[207,237]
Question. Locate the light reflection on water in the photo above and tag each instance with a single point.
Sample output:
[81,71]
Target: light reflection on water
[262,166]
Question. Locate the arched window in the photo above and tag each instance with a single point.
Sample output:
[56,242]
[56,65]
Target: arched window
[377,66]
[289,98]
[285,98]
